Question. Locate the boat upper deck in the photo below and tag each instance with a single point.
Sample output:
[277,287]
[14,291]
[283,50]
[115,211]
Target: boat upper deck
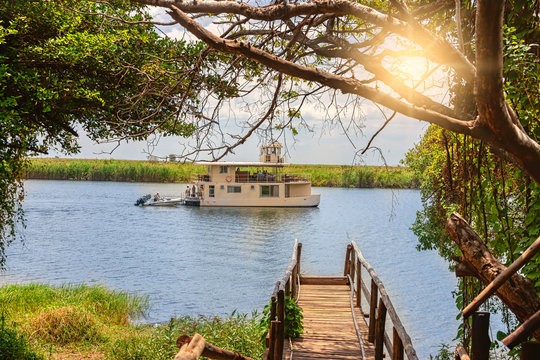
[260,164]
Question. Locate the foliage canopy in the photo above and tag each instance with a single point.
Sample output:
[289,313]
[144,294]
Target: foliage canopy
[64,69]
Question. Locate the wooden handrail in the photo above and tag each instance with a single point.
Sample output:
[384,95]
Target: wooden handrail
[523,332]
[385,299]
[502,278]
[286,286]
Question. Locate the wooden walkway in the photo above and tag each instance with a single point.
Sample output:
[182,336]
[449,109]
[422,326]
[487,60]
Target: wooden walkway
[329,331]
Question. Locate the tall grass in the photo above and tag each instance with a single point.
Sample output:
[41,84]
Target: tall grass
[110,170]
[146,171]
[95,322]
[396,177]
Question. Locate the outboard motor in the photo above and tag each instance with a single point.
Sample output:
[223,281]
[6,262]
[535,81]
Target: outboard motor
[142,199]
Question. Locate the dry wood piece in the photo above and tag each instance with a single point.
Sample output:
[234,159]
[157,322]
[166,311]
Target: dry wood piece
[461,354]
[190,348]
[193,348]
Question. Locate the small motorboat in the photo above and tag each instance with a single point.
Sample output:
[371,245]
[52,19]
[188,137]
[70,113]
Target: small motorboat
[149,200]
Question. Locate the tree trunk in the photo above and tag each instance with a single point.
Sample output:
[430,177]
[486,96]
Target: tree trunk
[518,293]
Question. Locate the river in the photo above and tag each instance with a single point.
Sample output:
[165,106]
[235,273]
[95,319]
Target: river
[213,261]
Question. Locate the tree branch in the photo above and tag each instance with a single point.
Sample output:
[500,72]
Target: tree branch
[346,85]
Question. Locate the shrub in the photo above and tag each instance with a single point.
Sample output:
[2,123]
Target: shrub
[64,325]
[14,346]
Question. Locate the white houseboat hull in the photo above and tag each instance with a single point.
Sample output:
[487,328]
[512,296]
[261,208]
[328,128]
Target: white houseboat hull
[304,201]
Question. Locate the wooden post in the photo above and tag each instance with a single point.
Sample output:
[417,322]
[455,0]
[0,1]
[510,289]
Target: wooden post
[530,350]
[298,256]
[288,287]
[273,308]
[347,257]
[352,271]
[358,284]
[274,324]
[397,346]
[379,331]
[372,309]
[293,283]
[278,354]
[480,338]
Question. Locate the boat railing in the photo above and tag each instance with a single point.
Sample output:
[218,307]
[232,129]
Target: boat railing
[246,177]
[200,178]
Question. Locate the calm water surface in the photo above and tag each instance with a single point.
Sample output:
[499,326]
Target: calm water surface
[216,260]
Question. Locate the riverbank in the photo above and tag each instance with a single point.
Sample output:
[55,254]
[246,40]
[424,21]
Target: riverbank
[92,322]
[173,172]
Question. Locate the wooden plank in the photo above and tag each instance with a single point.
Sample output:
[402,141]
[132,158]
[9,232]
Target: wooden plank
[323,280]
[329,332]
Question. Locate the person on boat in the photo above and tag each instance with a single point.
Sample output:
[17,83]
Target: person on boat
[157,197]
[187,191]
[193,191]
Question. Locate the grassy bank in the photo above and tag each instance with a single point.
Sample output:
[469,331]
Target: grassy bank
[92,322]
[146,171]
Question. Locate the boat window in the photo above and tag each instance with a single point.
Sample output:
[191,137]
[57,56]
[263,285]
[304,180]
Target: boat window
[269,191]
[223,169]
[234,189]
[211,191]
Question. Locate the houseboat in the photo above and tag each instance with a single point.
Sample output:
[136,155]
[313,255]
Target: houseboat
[262,183]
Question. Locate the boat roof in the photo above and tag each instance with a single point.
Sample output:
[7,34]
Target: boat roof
[241,163]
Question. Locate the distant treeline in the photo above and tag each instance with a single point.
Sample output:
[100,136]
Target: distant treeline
[173,172]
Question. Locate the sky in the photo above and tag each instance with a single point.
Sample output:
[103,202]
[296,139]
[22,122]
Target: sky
[324,145]
[318,147]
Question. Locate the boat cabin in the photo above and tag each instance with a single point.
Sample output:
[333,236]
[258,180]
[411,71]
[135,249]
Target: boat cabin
[263,183]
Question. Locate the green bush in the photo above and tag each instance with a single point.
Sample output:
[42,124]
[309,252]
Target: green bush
[14,346]
[294,325]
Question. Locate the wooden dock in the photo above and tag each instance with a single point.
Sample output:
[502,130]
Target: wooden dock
[335,325]
[328,323]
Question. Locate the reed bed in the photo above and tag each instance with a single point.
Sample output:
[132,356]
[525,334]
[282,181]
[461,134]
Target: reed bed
[92,322]
[174,172]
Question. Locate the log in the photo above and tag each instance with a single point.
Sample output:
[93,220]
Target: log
[208,350]
[190,348]
[518,293]
[502,278]
[461,354]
